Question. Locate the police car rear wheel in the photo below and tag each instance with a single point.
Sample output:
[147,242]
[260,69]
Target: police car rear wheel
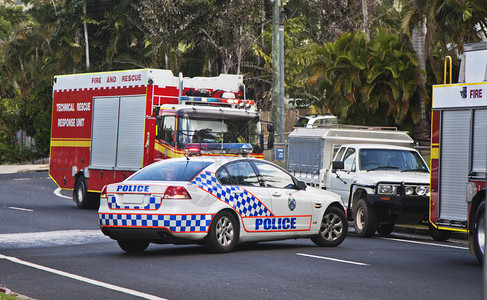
[223,234]
[334,227]
[133,246]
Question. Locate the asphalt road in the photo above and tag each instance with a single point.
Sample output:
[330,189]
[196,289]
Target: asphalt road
[49,249]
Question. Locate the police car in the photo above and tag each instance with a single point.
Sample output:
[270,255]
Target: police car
[218,202]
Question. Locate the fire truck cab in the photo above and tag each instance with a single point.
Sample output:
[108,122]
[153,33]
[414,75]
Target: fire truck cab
[105,126]
[458,150]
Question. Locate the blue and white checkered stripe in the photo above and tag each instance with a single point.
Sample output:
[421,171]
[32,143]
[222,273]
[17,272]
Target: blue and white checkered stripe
[175,223]
[154,203]
[244,203]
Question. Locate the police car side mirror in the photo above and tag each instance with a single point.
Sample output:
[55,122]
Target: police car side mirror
[337,165]
[301,185]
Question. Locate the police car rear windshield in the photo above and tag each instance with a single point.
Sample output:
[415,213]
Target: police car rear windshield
[171,171]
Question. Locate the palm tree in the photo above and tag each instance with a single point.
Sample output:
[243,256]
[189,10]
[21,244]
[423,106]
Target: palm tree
[368,83]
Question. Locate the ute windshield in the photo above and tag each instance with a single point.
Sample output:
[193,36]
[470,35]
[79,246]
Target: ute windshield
[387,159]
[302,121]
[196,129]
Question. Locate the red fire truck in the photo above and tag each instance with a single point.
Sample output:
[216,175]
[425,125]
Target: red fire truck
[458,150]
[106,126]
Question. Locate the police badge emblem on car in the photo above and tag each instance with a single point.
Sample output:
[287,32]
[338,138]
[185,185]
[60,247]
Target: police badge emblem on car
[291,202]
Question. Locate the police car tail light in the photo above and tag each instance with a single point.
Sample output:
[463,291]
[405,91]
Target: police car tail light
[103,193]
[176,192]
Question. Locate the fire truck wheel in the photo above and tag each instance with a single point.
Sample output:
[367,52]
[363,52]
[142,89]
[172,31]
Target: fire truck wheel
[365,219]
[479,233]
[438,234]
[80,193]
[223,234]
[334,227]
[133,246]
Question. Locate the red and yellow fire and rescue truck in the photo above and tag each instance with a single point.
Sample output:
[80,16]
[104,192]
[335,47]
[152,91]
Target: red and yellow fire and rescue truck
[106,126]
[458,150]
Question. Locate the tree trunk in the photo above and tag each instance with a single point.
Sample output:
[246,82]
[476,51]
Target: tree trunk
[366,19]
[421,131]
[87,45]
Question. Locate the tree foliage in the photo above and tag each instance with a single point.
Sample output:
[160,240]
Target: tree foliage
[328,63]
[369,83]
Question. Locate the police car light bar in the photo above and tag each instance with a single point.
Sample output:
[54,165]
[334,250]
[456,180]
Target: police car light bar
[230,148]
[218,101]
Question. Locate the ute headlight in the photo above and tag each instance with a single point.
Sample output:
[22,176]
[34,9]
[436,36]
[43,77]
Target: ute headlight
[421,190]
[386,189]
[409,191]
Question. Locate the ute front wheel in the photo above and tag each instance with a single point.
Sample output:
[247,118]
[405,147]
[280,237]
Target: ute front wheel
[385,229]
[334,228]
[365,219]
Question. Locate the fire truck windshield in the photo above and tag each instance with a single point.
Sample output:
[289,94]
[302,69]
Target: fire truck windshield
[231,130]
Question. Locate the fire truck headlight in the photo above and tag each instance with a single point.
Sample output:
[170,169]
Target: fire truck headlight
[409,191]
[427,192]
[421,190]
[386,189]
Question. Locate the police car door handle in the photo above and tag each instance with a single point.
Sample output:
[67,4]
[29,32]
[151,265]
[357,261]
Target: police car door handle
[276,194]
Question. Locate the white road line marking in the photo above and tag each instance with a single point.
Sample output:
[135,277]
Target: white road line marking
[57,192]
[424,243]
[333,259]
[20,208]
[81,278]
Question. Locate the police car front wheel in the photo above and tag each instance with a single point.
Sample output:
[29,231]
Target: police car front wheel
[334,228]
[223,234]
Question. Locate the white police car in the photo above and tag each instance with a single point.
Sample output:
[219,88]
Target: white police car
[219,202]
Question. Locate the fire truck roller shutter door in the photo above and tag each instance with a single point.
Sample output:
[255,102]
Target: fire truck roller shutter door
[104,132]
[130,146]
[454,153]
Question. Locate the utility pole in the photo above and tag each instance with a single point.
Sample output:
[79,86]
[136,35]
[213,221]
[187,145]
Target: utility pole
[275,69]
[277,107]
[281,75]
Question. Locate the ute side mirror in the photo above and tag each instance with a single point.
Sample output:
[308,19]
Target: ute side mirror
[337,165]
[270,140]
